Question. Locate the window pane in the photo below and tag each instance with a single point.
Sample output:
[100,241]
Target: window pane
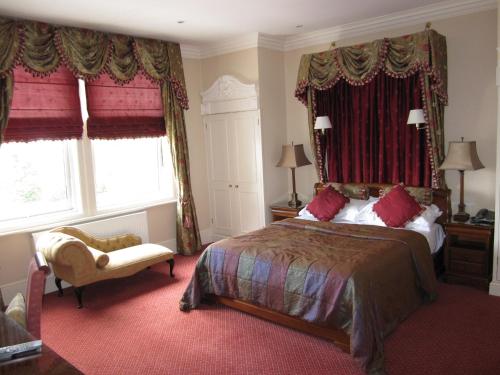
[131,171]
[35,179]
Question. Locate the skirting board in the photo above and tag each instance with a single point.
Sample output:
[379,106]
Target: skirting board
[495,288]
[9,290]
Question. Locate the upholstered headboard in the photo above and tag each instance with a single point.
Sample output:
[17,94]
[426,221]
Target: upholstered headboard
[439,197]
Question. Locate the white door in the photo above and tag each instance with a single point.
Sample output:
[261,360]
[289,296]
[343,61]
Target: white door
[246,166]
[235,172]
[217,135]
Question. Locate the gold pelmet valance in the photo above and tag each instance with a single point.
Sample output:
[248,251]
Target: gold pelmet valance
[398,57]
[41,48]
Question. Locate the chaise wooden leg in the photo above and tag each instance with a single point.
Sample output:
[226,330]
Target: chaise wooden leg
[79,294]
[59,287]
[171,263]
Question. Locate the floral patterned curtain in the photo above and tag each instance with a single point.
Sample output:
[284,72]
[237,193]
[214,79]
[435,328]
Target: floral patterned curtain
[423,52]
[188,234]
[40,48]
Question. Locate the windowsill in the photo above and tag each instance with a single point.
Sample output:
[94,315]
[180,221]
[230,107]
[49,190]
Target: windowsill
[85,219]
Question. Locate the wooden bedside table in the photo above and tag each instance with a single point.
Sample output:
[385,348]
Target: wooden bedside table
[281,211]
[468,254]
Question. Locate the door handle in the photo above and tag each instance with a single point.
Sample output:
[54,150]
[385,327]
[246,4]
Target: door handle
[230,185]
[236,186]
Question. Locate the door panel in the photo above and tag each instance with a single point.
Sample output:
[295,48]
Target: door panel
[245,159]
[222,211]
[218,142]
[218,134]
[248,202]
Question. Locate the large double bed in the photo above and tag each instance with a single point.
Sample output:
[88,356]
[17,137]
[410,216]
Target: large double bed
[350,283]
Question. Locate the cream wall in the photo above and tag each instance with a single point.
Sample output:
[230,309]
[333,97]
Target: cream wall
[471,112]
[273,124]
[243,65]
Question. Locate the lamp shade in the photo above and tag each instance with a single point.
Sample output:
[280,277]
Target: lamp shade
[293,156]
[322,122]
[416,116]
[462,156]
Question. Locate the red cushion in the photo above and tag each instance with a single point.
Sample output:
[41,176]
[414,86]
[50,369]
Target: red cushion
[327,204]
[397,207]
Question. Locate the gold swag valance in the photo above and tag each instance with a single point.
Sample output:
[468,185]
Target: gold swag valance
[397,57]
[41,48]
[422,53]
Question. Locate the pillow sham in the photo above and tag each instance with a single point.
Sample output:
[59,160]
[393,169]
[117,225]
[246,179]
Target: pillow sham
[367,216]
[397,207]
[348,214]
[326,204]
[427,218]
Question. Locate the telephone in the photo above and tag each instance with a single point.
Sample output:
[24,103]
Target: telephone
[483,216]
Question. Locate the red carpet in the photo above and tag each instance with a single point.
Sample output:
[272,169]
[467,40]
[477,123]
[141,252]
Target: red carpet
[134,326]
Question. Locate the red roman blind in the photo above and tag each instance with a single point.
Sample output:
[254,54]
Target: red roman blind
[44,107]
[130,111]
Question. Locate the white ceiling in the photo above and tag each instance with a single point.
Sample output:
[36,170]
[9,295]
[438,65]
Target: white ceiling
[206,21]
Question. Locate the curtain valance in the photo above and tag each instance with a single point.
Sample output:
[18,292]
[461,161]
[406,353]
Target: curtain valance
[41,48]
[422,53]
[398,57]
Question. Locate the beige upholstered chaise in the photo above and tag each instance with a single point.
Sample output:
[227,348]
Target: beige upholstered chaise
[81,259]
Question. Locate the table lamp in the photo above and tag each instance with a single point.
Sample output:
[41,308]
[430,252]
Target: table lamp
[293,156]
[462,156]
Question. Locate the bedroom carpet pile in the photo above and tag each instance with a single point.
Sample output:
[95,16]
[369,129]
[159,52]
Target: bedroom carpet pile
[134,326]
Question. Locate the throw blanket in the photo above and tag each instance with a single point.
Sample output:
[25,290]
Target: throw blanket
[360,278]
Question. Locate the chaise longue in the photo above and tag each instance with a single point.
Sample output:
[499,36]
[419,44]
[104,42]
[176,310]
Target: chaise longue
[80,259]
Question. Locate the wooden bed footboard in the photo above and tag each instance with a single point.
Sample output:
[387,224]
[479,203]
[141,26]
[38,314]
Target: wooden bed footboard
[339,337]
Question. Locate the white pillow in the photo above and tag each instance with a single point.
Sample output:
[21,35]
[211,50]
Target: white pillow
[351,210]
[347,214]
[426,219]
[368,217]
[306,215]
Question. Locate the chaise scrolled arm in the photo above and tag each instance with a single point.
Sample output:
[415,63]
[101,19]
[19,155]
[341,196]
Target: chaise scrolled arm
[81,259]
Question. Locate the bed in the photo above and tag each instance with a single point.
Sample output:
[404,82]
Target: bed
[349,283]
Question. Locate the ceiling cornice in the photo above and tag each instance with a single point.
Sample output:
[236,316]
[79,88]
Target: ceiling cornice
[411,17]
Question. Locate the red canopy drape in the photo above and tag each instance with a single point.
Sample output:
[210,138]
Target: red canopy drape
[44,107]
[124,111]
[370,140]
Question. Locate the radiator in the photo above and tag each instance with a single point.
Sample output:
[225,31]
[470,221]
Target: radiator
[136,223]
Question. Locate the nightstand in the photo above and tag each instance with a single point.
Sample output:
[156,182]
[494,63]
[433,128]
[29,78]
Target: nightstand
[281,211]
[468,254]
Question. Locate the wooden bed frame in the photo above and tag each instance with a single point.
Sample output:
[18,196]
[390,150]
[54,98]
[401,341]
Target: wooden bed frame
[439,197]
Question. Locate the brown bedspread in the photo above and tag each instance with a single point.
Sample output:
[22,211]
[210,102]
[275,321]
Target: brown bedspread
[360,278]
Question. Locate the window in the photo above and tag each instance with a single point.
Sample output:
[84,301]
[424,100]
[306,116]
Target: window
[44,182]
[130,171]
[38,181]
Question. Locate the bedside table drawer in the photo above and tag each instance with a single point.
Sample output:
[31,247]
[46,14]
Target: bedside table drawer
[475,269]
[466,255]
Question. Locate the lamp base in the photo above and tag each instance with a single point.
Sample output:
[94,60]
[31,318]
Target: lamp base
[461,217]
[294,202]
